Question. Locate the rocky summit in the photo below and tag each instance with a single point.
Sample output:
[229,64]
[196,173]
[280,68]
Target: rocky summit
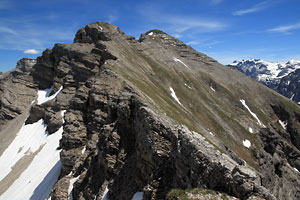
[115,118]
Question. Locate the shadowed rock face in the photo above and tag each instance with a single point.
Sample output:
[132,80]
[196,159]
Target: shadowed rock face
[124,130]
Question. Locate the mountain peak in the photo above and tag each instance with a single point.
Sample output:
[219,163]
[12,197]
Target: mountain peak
[94,32]
[293,62]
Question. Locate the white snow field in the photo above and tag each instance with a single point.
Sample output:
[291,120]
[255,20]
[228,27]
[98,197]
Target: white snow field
[28,140]
[37,179]
[43,95]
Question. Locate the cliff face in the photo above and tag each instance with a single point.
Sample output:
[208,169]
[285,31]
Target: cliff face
[144,117]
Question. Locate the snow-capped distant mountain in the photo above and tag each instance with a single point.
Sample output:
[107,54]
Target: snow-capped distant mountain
[267,73]
[282,77]
[289,86]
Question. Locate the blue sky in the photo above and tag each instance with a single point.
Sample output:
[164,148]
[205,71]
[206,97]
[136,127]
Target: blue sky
[226,30]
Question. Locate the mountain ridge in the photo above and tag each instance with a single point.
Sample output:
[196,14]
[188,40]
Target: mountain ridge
[151,115]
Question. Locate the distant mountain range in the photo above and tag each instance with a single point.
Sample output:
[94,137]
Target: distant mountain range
[282,77]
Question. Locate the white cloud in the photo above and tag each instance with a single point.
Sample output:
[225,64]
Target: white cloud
[7,30]
[31,51]
[257,7]
[287,28]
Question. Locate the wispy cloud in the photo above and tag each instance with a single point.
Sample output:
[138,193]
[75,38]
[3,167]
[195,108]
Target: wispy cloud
[216,1]
[31,51]
[204,43]
[257,7]
[32,36]
[4,29]
[181,24]
[156,16]
[286,28]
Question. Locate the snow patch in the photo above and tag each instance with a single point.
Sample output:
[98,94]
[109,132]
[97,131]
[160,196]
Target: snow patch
[283,124]
[187,86]
[252,113]
[173,94]
[43,95]
[250,130]
[138,196]
[247,143]
[72,181]
[70,174]
[83,150]
[177,60]
[63,114]
[151,33]
[105,194]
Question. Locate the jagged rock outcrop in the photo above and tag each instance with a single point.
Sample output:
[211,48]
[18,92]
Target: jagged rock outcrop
[151,115]
[16,86]
[17,92]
